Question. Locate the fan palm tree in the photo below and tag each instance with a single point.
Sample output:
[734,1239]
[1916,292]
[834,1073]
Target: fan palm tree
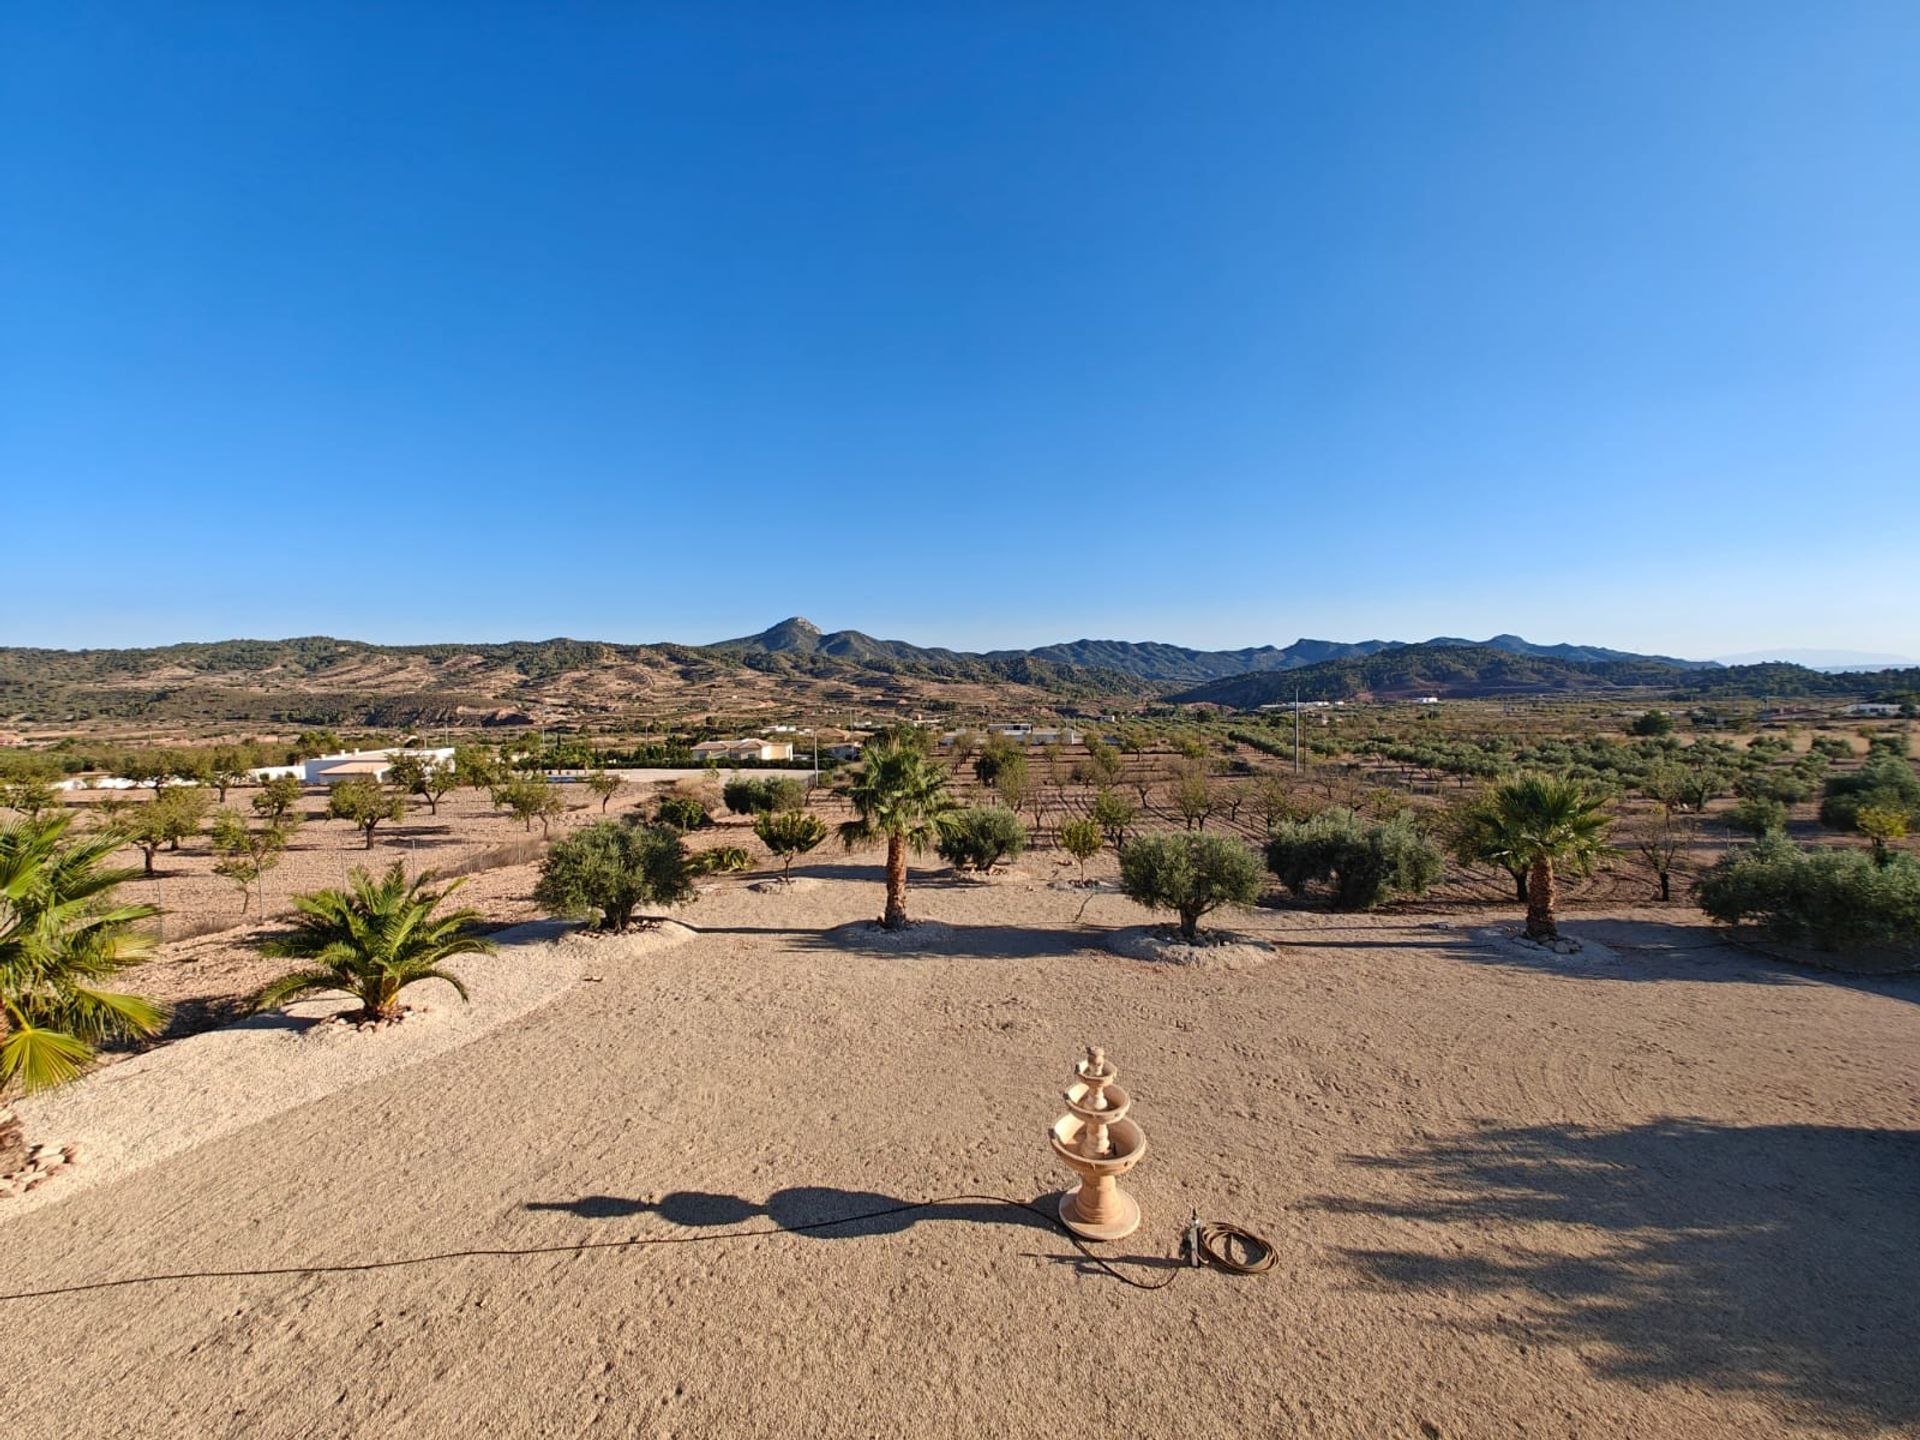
[61,936]
[1546,822]
[371,941]
[901,794]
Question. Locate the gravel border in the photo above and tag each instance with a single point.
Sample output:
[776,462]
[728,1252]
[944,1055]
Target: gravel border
[1568,950]
[1215,949]
[132,1114]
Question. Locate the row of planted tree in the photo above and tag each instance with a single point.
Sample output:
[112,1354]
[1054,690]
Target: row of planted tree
[65,935]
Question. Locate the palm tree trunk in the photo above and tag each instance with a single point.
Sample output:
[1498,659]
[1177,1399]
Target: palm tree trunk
[896,915]
[1519,885]
[1540,898]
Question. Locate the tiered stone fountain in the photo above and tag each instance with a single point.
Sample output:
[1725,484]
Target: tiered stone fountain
[1099,1144]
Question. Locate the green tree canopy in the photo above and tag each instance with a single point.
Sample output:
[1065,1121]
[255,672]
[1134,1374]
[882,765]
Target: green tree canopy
[606,872]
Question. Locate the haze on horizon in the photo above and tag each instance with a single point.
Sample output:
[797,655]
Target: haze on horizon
[979,327]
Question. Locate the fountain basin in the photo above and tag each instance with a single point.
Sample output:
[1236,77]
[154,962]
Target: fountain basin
[1127,1140]
[1081,1095]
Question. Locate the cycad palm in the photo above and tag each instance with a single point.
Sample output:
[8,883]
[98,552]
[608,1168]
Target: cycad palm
[1547,823]
[901,794]
[372,940]
[61,936]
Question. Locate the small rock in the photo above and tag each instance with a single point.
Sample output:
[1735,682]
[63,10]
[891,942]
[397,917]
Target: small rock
[34,1184]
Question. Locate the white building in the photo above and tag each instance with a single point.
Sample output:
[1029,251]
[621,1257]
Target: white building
[743,750]
[348,765]
[1872,709]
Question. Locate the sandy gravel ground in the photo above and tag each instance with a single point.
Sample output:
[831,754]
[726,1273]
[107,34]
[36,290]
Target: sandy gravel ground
[1673,1194]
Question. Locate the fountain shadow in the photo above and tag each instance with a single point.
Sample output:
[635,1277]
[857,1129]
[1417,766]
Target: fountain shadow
[821,1212]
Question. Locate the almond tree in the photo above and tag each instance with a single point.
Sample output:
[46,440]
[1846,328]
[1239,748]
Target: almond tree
[366,804]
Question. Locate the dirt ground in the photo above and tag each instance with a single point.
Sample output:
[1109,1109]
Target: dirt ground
[1671,1194]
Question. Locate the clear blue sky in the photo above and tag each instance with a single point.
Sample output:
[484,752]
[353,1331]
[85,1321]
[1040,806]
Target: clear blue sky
[971,324]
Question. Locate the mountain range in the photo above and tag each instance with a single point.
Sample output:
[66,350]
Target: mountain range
[1155,662]
[795,667]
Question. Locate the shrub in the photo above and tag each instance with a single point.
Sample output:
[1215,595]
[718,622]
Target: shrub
[981,837]
[1114,814]
[1190,873]
[1368,864]
[1885,782]
[1082,839]
[276,797]
[606,871]
[1833,899]
[682,813]
[1652,723]
[758,795]
[1787,786]
[788,834]
[1758,815]
[721,860]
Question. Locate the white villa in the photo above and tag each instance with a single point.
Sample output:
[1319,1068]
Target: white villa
[743,750]
[348,765]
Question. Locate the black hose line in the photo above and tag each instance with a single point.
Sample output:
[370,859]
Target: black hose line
[1215,1246]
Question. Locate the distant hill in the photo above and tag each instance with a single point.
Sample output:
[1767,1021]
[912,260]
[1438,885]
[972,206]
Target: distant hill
[794,666]
[1514,645]
[1836,660]
[1459,671]
[1176,664]
[1148,660]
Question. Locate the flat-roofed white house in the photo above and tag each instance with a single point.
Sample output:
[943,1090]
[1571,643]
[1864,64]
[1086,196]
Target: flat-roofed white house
[349,765]
[743,750]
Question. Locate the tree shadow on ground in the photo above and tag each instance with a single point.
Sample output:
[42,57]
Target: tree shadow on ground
[1652,951]
[951,941]
[1780,1261]
[819,1211]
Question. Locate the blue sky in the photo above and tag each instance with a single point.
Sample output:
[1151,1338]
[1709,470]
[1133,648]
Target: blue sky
[972,324]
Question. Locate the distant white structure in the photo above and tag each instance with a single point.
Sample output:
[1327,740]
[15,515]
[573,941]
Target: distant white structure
[348,765]
[1428,700]
[1023,734]
[743,750]
[1872,709]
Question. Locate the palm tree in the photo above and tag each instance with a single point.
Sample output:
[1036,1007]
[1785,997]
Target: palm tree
[1478,832]
[900,793]
[61,935]
[1547,821]
[373,940]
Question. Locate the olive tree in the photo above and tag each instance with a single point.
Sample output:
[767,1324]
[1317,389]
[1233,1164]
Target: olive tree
[1191,874]
[606,872]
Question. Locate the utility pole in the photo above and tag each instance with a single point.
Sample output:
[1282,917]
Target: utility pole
[1296,729]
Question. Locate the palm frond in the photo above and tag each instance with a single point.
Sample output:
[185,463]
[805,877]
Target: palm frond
[38,1058]
[288,988]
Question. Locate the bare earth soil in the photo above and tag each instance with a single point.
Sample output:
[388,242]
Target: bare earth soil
[1669,1194]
